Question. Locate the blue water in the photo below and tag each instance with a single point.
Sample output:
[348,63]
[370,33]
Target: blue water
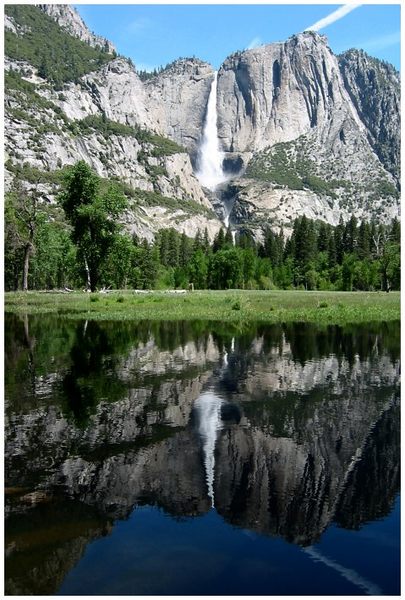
[153,553]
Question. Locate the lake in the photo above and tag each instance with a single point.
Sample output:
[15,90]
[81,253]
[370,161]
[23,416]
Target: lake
[201,458]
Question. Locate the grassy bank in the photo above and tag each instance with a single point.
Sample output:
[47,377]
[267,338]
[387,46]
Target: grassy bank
[228,306]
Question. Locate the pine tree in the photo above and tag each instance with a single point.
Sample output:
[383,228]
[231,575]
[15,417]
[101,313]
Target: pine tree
[305,247]
[219,241]
[206,246]
[350,236]
[197,241]
[323,237]
[163,241]
[149,265]
[338,235]
[228,241]
[332,260]
[185,250]
[395,235]
[198,269]
[363,242]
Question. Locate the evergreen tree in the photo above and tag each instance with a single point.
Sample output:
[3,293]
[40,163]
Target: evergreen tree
[363,244]
[323,237]
[228,241]
[163,241]
[173,248]
[350,236]
[348,267]
[281,243]
[198,243]
[339,246]
[248,266]
[374,240]
[219,241]
[304,247]
[198,269]
[185,250]
[395,235]
[206,246]
[332,259]
[149,265]
[272,248]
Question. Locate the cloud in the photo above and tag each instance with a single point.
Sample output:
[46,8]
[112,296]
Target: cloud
[255,43]
[381,42]
[333,17]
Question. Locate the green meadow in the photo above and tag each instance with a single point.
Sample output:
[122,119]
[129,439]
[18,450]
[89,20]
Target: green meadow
[228,306]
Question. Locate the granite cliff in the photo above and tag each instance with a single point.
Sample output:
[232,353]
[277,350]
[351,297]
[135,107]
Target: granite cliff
[302,130]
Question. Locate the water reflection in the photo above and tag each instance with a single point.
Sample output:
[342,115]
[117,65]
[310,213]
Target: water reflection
[283,429]
[208,409]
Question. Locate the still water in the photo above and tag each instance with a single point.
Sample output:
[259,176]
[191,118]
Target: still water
[201,458]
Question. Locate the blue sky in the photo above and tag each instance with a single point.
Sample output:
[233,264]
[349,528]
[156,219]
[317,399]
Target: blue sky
[153,35]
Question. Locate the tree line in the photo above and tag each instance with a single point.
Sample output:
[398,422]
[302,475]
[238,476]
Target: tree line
[86,246]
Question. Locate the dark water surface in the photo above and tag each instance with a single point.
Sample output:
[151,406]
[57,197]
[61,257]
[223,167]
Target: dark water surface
[198,458]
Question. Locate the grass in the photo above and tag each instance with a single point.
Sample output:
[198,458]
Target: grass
[252,306]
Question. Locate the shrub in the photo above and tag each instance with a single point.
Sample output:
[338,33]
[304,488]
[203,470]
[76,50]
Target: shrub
[46,46]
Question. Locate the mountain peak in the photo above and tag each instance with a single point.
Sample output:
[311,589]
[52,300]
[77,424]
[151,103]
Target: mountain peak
[69,19]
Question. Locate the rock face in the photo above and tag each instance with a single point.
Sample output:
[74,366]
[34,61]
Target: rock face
[278,92]
[115,90]
[296,98]
[374,88]
[178,98]
[290,108]
[69,19]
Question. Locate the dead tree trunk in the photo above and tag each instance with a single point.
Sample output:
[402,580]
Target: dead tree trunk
[27,255]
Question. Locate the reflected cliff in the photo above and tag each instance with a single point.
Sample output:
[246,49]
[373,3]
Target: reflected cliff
[282,429]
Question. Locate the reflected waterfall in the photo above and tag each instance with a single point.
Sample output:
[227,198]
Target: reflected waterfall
[208,407]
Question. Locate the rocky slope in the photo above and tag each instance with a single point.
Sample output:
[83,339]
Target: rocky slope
[177,98]
[374,88]
[70,20]
[305,131]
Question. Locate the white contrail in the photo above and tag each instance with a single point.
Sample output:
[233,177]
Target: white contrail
[255,43]
[349,574]
[335,16]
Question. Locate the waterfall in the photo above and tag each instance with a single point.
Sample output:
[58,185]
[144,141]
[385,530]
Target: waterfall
[210,173]
[208,407]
